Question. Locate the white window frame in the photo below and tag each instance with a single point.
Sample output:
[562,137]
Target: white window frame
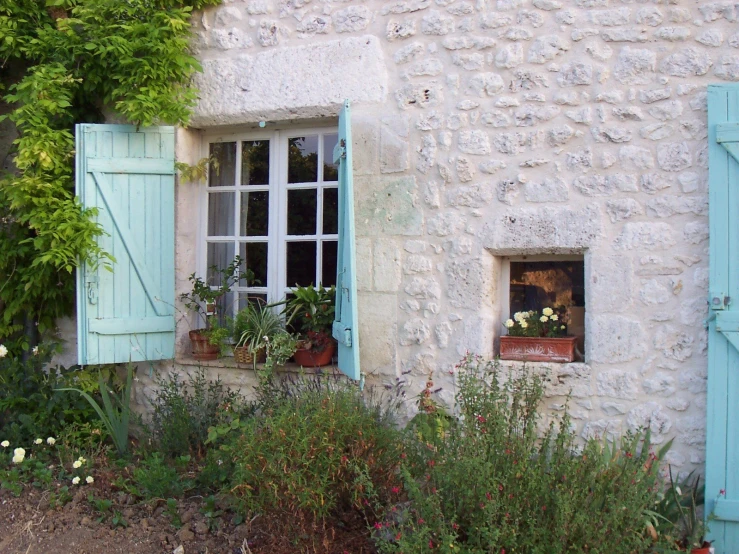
[277,239]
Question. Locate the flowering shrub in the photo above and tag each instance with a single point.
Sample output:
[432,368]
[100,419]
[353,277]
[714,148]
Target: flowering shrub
[316,453]
[492,484]
[533,324]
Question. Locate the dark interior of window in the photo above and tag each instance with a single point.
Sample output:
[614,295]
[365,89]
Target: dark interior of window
[554,284]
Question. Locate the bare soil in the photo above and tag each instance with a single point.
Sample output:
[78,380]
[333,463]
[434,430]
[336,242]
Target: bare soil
[30,525]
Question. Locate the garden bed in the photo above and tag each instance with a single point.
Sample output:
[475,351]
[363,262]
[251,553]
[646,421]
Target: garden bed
[31,524]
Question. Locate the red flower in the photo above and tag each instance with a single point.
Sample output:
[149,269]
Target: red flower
[378,525]
[500,488]
[431,543]
[397,537]
[481,419]
[722,492]
[488,496]
[395,490]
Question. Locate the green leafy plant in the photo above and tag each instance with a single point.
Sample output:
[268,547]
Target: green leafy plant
[491,482]
[203,299]
[310,309]
[155,478]
[677,514]
[173,513]
[548,323]
[184,411]
[30,406]
[66,63]
[317,450]
[101,505]
[116,411]
[255,325]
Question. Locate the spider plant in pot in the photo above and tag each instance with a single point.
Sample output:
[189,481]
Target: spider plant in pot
[310,311]
[204,299]
[253,327]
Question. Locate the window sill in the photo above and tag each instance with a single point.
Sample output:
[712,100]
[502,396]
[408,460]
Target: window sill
[228,362]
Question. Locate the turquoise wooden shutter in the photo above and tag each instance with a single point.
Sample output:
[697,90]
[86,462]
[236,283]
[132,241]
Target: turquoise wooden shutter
[346,327]
[128,175]
[722,442]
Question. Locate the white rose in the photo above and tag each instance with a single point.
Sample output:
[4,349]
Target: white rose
[524,324]
[18,455]
[81,460]
[547,311]
[5,444]
[51,441]
[518,316]
[76,481]
[89,480]
[543,319]
[38,441]
[3,351]
[77,464]
[509,323]
[554,317]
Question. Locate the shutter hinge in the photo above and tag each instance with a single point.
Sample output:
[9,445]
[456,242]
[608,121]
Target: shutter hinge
[340,151]
[719,301]
[342,333]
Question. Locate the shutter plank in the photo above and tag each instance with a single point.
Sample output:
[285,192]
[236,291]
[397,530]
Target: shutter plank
[128,174]
[345,327]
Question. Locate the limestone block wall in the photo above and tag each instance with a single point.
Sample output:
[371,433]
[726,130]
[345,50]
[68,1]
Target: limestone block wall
[487,128]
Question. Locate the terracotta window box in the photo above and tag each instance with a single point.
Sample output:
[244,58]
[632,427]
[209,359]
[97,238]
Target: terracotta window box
[538,349]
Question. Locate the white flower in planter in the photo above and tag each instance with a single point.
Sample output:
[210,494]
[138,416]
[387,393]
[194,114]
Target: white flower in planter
[543,319]
[5,444]
[509,323]
[547,311]
[3,351]
[51,441]
[523,324]
[76,481]
[38,441]
[554,317]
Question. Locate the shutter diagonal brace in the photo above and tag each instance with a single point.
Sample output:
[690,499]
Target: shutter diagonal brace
[727,135]
[135,255]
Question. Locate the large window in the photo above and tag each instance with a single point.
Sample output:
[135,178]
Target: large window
[272,199]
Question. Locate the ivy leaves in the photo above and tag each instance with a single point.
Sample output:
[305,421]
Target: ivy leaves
[76,59]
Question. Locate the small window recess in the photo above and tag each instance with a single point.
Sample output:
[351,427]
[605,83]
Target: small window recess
[535,282]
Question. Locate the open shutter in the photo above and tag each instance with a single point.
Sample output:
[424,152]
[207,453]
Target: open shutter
[722,442]
[346,328]
[128,175]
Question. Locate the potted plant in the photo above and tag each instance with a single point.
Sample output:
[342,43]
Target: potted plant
[311,312]
[208,341]
[253,327]
[537,337]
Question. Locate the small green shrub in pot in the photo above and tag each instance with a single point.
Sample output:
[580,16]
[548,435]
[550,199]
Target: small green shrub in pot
[310,311]
[254,326]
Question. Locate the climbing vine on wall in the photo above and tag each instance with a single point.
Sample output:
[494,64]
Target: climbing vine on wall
[64,62]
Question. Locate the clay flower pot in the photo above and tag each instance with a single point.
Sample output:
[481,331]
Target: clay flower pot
[538,349]
[307,358]
[201,348]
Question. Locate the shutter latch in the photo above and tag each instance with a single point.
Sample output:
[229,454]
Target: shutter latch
[92,288]
[340,151]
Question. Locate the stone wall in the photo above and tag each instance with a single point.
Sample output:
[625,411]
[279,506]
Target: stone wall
[487,128]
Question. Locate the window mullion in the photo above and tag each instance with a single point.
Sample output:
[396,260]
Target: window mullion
[276,244]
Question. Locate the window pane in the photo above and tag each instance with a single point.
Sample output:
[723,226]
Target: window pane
[220,214]
[302,162]
[301,212]
[328,271]
[301,263]
[251,297]
[222,169]
[255,214]
[255,162]
[330,211]
[330,169]
[220,254]
[255,256]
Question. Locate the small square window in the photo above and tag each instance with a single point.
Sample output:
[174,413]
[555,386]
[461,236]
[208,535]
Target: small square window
[539,282]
